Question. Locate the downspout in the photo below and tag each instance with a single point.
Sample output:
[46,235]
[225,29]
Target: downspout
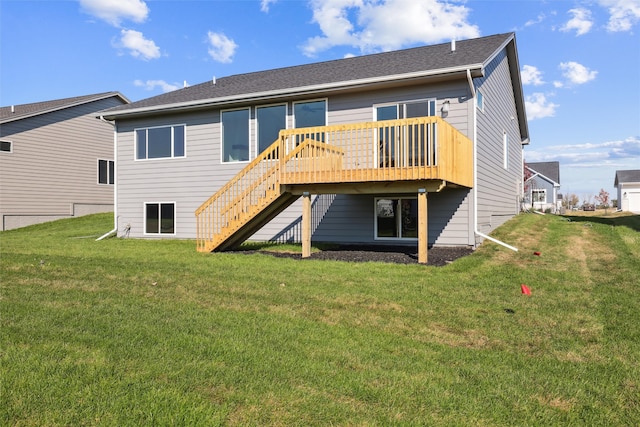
[115,165]
[475,169]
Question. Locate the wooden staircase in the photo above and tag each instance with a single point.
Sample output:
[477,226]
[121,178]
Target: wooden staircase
[256,194]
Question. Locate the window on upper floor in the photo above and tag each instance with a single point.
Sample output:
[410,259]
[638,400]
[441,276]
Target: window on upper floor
[6,146]
[163,142]
[159,218]
[235,135]
[479,100]
[310,114]
[271,119]
[106,172]
[505,150]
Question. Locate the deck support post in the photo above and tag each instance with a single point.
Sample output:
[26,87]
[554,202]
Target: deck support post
[423,235]
[306,224]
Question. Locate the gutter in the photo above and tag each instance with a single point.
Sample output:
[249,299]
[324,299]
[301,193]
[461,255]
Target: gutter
[115,193]
[475,170]
[296,91]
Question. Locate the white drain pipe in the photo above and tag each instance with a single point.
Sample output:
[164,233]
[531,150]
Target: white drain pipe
[475,170]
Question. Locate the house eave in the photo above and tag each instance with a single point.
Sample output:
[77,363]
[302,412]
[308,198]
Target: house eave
[477,70]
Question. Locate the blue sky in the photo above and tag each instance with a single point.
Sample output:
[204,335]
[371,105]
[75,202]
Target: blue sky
[579,59]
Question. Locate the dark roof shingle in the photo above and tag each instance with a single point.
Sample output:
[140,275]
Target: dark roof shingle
[632,175]
[401,62]
[17,112]
[549,169]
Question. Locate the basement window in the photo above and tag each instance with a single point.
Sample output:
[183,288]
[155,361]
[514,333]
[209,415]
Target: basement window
[159,218]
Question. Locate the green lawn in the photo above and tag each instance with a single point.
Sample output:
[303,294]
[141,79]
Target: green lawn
[130,332]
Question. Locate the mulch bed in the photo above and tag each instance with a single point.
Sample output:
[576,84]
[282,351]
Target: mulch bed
[436,256]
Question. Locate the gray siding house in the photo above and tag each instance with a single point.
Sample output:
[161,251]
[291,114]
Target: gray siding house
[542,186]
[627,183]
[56,159]
[420,146]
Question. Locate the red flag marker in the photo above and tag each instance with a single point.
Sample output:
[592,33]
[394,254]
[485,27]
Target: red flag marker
[525,289]
[536,253]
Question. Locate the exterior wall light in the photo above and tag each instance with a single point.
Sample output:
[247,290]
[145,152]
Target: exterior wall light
[445,107]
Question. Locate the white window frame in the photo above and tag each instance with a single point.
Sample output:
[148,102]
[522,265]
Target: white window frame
[539,190]
[257,123]
[146,129]
[479,100]
[144,218]
[306,101]
[505,150]
[6,141]
[249,129]
[113,178]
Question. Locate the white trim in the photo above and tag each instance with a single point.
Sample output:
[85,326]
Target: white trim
[173,156]
[144,218]
[256,143]
[222,161]
[326,110]
[505,149]
[10,146]
[303,90]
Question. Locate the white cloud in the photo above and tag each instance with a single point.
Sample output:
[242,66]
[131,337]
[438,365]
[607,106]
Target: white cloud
[541,17]
[116,11]
[577,73]
[152,84]
[138,46]
[221,47]
[538,107]
[623,14]
[264,5]
[531,75]
[590,154]
[373,25]
[581,22]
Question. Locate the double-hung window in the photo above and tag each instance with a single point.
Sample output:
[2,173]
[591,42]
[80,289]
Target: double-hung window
[106,172]
[159,218]
[235,135]
[163,142]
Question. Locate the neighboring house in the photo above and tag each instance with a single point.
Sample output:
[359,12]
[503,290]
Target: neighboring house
[56,159]
[542,186]
[628,185]
[420,146]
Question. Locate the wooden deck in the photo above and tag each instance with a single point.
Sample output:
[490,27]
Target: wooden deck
[391,156]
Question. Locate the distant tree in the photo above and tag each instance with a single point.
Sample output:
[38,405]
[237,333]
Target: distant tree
[526,183]
[570,201]
[603,198]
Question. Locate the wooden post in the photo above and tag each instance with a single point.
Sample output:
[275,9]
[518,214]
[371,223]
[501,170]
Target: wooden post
[306,225]
[423,235]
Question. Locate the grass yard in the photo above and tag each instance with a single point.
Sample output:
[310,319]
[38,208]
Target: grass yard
[127,332]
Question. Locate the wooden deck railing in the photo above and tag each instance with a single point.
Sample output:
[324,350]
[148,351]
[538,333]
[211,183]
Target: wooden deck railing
[409,149]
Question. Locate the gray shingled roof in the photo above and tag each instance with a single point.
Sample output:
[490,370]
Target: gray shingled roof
[28,110]
[627,176]
[473,53]
[550,170]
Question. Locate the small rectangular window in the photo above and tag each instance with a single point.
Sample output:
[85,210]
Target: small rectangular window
[6,146]
[505,150]
[159,218]
[163,142]
[106,169]
[479,100]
